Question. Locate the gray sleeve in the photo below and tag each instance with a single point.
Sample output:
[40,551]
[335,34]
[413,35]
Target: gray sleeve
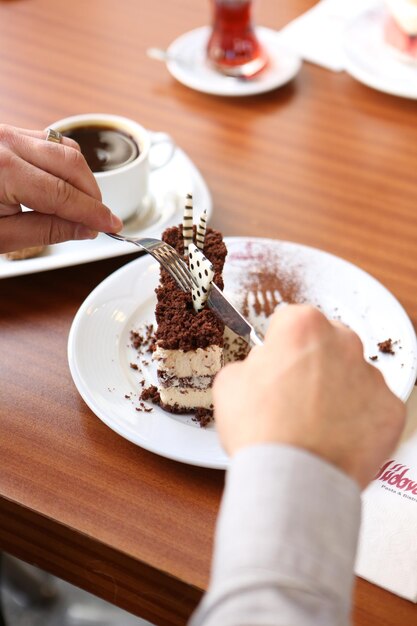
[285,542]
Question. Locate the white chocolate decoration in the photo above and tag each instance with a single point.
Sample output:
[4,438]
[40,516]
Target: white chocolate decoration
[187,223]
[201,230]
[203,273]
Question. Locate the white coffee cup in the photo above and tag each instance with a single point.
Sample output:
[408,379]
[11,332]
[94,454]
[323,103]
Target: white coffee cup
[124,189]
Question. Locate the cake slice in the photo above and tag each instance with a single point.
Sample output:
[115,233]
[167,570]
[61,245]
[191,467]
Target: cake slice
[24,253]
[189,345]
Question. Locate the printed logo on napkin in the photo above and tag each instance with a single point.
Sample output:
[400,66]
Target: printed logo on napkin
[395,477]
[387,549]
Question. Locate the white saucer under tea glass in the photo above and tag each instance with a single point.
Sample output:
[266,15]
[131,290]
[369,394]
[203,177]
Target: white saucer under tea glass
[187,62]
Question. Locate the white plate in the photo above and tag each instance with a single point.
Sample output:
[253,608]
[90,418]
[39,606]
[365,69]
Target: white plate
[193,70]
[168,187]
[100,352]
[373,62]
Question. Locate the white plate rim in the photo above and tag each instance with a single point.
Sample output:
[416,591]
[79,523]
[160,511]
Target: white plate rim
[221,85]
[377,82]
[117,279]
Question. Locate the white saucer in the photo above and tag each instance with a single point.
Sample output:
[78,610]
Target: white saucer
[191,68]
[373,62]
[168,187]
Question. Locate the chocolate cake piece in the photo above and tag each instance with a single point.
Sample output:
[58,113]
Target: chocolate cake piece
[189,345]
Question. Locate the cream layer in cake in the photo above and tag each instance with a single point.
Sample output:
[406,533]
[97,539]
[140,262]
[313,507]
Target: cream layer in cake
[186,377]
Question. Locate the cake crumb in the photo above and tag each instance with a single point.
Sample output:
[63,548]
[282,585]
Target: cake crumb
[203,417]
[143,342]
[374,357]
[136,339]
[387,346]
[151,394]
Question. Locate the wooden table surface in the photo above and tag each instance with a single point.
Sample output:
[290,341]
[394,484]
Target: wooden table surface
[324,161]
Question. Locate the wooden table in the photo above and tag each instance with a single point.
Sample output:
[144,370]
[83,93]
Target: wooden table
[324,161]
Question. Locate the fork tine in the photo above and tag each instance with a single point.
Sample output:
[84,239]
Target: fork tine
[182,276]
[159,255]
[182,268]
[176,262]
[168,261]
[164,254]
[188,279]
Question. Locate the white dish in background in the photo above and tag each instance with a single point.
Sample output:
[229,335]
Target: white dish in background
[100,351]
[373,62]
[196,73]
[168,186]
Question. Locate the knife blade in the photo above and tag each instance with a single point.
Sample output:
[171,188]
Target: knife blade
[231,316]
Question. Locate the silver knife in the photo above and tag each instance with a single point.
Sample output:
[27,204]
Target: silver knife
[231,316]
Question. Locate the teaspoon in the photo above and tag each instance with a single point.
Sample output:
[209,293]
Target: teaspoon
[158,54]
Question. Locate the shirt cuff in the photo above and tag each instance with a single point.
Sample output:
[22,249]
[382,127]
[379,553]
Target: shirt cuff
[289,515]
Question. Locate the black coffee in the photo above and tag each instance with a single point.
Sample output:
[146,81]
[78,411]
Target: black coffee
[104,147]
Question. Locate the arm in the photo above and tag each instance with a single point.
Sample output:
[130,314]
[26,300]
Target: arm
[55,181]
[285,542]
[304,436]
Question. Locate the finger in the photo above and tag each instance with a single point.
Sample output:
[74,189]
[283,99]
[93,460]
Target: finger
[28,229]
[348,337]
[41,134]
[57,159]
[26,184]
[9,209]
[225,376]
[340,325]
[296,325]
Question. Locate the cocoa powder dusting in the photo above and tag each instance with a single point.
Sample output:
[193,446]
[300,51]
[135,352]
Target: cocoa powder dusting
[267,287]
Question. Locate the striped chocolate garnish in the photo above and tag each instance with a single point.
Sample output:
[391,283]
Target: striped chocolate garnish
[201,230]
[187,222]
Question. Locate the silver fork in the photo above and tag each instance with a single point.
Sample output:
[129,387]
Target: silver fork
[166,255]
[171,261]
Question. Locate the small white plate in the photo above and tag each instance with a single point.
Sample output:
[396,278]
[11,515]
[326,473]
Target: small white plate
[100,351]
[168,187]
[373,62]
[192,68]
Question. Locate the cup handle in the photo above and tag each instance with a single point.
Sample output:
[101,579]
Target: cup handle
[157,139]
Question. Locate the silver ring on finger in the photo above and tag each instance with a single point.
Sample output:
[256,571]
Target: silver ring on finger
[53,135]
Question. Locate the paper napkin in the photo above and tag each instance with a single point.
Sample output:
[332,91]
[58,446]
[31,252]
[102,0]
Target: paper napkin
[387,553]
[317,35]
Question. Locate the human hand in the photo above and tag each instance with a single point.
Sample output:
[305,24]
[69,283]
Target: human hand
[309,386]
[55,181]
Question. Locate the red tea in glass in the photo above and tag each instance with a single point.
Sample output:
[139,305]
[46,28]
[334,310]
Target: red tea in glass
[233,47]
